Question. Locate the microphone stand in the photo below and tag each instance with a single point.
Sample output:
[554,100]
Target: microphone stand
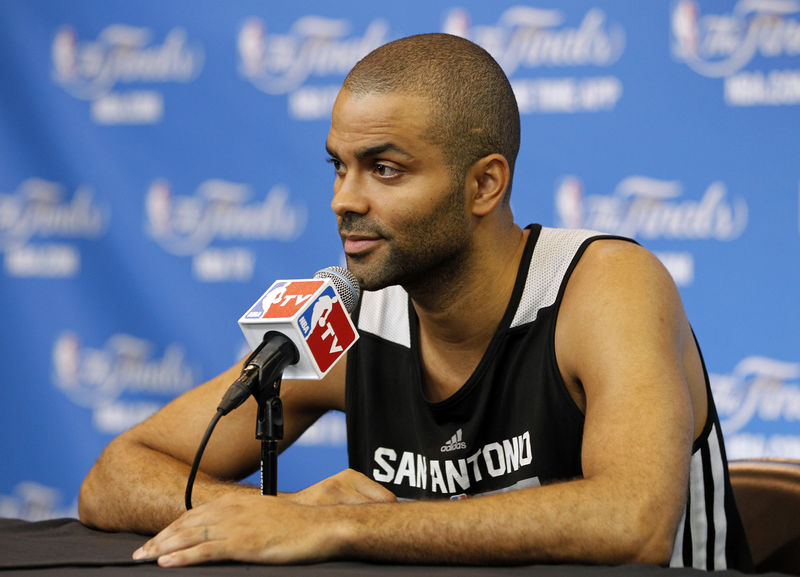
[263,371]
[269,430]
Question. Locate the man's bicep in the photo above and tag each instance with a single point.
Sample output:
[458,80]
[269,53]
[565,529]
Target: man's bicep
[625,329]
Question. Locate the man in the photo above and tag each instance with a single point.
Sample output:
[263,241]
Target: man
[545,385]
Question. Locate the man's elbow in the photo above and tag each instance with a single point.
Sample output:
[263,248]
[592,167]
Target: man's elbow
[89,500]
[97,499]
[652,538]
[654,550]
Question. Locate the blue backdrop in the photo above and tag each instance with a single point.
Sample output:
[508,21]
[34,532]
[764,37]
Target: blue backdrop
[162,162]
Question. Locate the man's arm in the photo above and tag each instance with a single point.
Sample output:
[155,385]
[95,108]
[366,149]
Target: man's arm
[139,481]
[623,348]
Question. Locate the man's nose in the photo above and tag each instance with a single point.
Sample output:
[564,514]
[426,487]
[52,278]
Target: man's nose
[349,196]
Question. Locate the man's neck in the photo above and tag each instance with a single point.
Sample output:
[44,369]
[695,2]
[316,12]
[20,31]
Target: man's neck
[458,318]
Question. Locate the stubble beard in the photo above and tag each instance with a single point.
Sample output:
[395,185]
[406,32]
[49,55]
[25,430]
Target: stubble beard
[425,257]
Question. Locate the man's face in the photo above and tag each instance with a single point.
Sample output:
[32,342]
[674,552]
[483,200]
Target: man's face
[401,217]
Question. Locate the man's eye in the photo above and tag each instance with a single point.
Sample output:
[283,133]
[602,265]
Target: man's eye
[337,165]
[386,171]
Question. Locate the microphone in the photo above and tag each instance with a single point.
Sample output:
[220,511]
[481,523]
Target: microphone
[298,329]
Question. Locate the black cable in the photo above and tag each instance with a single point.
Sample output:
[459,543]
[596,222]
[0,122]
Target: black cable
[262,369]
[199,455]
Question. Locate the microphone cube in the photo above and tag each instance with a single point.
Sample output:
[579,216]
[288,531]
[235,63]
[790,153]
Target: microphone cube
[311,314]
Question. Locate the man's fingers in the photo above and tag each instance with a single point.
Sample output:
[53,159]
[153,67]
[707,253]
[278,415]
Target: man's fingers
[184,546]
[201,553]
[232,528]
[185,532]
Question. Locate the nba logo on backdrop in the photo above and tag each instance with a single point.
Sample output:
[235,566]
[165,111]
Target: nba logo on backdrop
[569,202]
[685,29]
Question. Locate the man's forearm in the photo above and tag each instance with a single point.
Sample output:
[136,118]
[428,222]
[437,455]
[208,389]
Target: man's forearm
[557,523]
[575,521]
[135,488]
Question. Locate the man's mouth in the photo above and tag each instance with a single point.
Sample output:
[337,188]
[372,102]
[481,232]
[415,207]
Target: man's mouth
[355,244]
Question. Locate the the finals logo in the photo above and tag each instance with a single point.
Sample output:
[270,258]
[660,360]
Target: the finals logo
[112,70]
[300,62]
[754,48]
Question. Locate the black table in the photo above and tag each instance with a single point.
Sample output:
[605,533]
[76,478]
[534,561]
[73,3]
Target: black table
[66,547]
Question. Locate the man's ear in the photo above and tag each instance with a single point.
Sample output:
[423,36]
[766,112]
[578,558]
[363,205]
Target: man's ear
[488,178]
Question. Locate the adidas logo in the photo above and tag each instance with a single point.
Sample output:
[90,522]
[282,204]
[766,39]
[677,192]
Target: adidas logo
[454,444]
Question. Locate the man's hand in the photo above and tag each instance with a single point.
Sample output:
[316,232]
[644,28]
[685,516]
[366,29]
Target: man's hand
[262,529]
[346,488]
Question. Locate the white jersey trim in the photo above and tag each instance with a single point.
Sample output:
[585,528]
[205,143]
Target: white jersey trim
[702,555]
[697,506]
[385,313]
[720,519]
[547,270]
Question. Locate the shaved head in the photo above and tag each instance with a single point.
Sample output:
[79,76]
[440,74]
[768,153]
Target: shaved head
[473,109]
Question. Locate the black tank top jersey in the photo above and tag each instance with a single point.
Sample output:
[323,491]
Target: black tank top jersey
[513,424]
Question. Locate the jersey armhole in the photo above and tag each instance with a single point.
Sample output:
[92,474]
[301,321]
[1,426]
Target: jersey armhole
[557,307]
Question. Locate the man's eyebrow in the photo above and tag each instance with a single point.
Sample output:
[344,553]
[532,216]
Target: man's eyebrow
[378,149]
[373,151]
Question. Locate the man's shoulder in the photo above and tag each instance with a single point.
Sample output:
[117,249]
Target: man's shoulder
[558,249]
[571,239]
[622,253]
[624,274]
